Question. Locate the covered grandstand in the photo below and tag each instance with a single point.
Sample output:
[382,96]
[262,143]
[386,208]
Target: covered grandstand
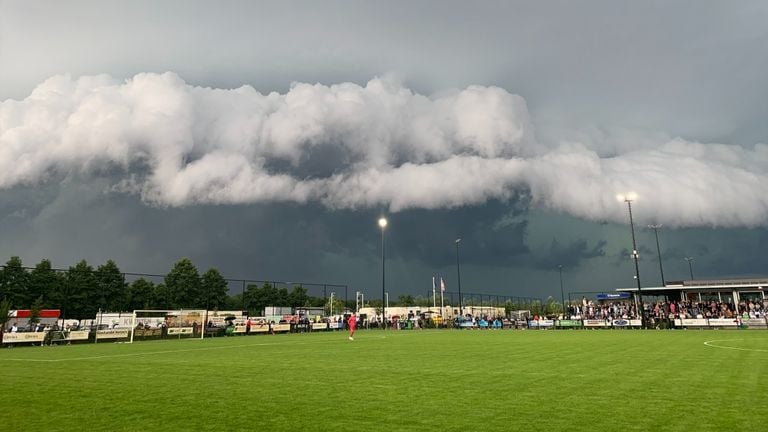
[735,290]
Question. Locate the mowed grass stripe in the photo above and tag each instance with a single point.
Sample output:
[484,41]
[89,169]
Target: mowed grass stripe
[407,380]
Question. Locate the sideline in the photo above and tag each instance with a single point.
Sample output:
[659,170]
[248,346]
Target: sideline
[710,344]
[183,350]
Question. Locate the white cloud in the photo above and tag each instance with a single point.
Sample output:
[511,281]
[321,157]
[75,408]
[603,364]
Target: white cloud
[377,145]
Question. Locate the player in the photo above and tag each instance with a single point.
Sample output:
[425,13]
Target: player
[352,323]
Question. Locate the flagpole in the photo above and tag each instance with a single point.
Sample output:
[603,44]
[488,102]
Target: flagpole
[442,304]
[434,299]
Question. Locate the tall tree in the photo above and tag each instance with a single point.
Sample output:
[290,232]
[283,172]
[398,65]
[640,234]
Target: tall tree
[141,294]
[14,282]
[406,300]
[112,287]
[259,298]
[213,289]
[252,299]
[161,298]
[298,297]
[44,282]
[34,312]
[235,302]
[183,283]
[80,296]
[283,297]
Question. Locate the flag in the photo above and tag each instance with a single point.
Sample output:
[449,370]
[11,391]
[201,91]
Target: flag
[442,286]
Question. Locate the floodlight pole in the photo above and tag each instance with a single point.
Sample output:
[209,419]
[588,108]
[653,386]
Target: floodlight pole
[635,256]
[562,296]
[383,225]
[655,229]
[690,265]
[458,276]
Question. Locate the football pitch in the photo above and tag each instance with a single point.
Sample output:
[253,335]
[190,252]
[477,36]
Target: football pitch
[503,380]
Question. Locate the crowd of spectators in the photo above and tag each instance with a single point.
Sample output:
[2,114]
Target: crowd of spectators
[748,309]
[672,309]
[606,310]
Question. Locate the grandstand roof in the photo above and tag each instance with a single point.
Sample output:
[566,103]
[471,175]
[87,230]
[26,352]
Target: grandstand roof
[739,284]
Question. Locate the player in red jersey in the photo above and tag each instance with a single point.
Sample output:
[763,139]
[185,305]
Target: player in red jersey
[352,323]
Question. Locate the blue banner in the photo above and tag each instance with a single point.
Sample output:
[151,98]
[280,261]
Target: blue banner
[613,296]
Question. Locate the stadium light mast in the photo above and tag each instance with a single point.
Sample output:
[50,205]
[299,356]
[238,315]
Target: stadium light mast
[690,265]
[628,198]
[655,229]
[383,225]
[458,275]
[562,295]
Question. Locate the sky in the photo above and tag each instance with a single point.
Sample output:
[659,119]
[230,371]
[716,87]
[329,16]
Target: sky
[266,138]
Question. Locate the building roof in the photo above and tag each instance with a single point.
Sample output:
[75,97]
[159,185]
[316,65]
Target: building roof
[758,283]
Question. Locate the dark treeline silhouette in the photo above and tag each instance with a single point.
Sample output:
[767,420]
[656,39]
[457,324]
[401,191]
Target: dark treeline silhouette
[80,291]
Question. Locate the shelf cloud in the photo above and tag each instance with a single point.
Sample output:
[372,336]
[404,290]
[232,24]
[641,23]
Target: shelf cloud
[348,146]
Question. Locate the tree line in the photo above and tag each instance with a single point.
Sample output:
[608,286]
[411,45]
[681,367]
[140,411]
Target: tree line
[82,290]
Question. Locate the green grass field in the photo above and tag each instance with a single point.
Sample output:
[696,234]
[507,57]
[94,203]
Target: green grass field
[395,381]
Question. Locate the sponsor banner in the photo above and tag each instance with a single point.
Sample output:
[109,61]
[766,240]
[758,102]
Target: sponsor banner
[144,332]
[722,322]
[691,322]
[569,323]
[596,323]
[26,313]
[281,327]
[180,331]
[612,296]
[260,328]
[755,322]
[336,325]
[541,323]
[319,326]
[77,335]
[241,328]
[636,323]
[23,337]
[112,334]
[620,322]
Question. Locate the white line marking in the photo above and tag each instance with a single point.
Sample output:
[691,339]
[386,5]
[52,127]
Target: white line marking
[180,350]
[710,344]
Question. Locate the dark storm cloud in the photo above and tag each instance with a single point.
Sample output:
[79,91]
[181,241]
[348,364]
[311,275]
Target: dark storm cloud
[570,254]
[663,98]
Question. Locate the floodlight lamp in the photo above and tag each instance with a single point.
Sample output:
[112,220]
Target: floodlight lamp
[629,196]
[382,223]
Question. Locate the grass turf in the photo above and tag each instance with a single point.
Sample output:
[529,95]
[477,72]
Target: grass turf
[395,380]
